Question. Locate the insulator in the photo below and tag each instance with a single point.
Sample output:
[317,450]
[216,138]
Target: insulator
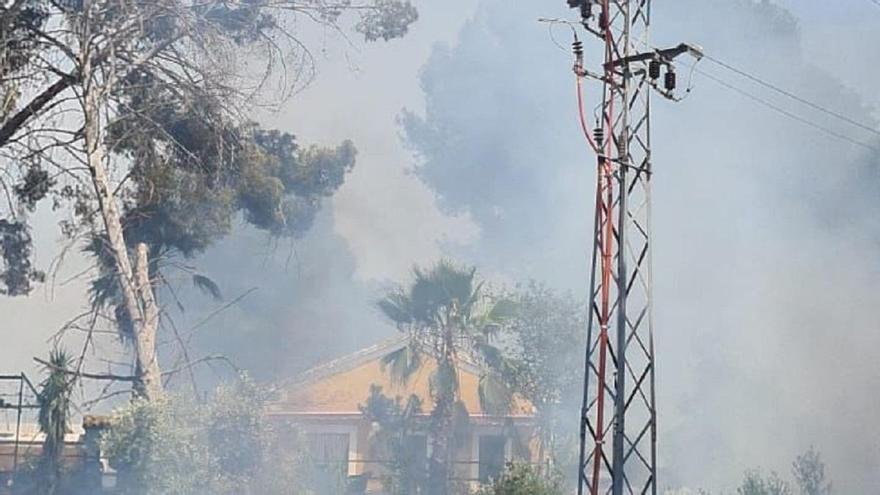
[603,20]
[574,3]
[654,69]
[669,80]
[586,10]
[598,136]
[578,48]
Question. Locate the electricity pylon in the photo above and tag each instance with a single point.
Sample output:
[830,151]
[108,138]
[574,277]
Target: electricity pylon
[619,399]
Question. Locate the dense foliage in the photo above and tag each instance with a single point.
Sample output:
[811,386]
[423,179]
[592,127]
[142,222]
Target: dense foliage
[523,479]
[546,337]
[224,446]
[138,129]
[16,271]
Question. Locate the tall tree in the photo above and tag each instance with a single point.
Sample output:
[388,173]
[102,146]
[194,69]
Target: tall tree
[547,338]
[448,318]
[137,125]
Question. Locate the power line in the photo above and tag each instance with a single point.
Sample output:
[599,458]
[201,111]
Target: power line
[793,96]
[785,112]
[784,92]
[790,95]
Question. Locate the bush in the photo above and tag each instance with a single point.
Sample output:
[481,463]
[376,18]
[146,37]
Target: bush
[178,446]
[523,479]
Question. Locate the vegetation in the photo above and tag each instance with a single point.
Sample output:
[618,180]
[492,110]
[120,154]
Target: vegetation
[809,474]
[132,119]
[547,336]
[225,446]
[449,318]
[54,420]
[393,426]
[137,130]
[523,479]
[808,471]
[755,483]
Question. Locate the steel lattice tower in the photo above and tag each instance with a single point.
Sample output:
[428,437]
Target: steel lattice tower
[619,372]
[619,377]
[618,424]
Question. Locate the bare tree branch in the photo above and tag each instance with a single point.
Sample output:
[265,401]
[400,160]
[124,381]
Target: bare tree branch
[83,374]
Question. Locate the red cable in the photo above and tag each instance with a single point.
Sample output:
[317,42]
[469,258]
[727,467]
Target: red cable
[583,119]
[605,240]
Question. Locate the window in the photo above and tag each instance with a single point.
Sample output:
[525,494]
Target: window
[491,460]
[328,453]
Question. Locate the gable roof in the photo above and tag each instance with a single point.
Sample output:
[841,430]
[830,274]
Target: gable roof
[340,386]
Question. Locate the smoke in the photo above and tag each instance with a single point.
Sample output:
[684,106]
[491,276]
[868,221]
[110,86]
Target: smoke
[766,230]
[766,233]
[765,241]
[301,304]
[315,297]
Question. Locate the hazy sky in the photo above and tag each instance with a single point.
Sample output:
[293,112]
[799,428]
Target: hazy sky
[738,305]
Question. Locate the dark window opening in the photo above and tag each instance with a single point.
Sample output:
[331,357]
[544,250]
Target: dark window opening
[491,457]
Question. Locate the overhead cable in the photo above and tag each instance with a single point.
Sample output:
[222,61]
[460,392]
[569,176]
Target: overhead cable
[785,112]
[772,106]
[793,96]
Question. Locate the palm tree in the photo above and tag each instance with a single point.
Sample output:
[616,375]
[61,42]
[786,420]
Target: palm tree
[54,418]
[448,317]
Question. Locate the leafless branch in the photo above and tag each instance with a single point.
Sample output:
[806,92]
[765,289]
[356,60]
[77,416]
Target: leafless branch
[83,374]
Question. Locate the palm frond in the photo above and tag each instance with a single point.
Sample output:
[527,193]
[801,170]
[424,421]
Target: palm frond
[208,286]
[496,316]
[474,299]
[496,397]
[402,364]
[503,310]
[457,283]
[397,307]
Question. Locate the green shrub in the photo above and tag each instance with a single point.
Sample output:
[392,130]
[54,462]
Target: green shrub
[225,446]
[523,479]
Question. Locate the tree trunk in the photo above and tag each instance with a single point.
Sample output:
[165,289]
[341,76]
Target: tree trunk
[150,378]
[443,447]
[439,472]
[137,295]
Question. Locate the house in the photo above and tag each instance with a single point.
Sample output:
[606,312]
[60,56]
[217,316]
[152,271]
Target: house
[325,405]
[21,446]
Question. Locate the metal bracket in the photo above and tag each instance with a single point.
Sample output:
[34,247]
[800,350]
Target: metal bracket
[665,55]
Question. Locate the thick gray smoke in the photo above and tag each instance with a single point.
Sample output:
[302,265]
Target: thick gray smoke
[766,230]
[301,305]
[766,237]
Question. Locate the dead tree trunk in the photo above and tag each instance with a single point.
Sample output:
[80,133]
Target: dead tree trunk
[150,376]
[137,292]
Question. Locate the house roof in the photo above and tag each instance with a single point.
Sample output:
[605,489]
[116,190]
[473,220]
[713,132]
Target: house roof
[338,388]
